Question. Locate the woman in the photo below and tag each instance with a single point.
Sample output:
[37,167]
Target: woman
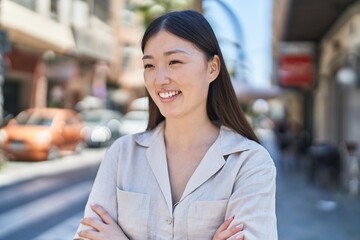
[197,164]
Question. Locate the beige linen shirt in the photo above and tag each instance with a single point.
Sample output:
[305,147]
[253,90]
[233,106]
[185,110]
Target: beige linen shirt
[235,177]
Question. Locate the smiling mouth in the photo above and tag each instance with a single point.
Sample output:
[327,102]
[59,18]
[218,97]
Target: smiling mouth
[169,94]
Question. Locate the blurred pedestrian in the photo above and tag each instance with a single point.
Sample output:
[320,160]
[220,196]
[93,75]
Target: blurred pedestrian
[198,171]
[287,141]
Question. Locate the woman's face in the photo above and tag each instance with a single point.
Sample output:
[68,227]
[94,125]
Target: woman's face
[177,75]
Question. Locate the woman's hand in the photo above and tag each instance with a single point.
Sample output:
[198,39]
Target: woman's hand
[232,233]
[107,229]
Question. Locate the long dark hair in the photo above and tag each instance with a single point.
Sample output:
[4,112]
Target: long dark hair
[222,104]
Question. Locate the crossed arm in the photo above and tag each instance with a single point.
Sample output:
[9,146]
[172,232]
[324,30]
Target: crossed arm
[108,229]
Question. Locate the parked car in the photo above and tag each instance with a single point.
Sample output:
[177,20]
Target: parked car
[42,133]
[134,122]
[101,126]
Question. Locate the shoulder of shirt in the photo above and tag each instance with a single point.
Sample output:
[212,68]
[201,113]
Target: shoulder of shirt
[233,142]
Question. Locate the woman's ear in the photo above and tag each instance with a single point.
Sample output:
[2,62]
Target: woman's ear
[214,68]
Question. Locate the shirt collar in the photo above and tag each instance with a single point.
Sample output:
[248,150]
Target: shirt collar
[230,141]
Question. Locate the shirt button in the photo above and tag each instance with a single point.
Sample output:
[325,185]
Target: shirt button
[169,220]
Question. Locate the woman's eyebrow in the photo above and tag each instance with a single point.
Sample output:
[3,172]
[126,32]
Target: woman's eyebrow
[147,57]
[167,53]
[176,51]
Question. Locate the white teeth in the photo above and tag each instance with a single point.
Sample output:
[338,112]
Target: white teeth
[168,94]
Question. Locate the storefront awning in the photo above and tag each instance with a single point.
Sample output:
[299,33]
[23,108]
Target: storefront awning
[309,20]
[246,93]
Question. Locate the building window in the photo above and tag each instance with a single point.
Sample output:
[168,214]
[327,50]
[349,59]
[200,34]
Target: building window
[30,4]
[101,10]
[54,9]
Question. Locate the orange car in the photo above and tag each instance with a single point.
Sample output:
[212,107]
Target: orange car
[41,133]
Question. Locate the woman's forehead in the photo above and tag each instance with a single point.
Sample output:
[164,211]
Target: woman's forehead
[165,42]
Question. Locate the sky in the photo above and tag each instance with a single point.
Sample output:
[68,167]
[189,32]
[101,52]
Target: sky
[245,23]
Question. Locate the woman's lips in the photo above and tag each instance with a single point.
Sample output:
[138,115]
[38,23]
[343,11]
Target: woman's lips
[168,95]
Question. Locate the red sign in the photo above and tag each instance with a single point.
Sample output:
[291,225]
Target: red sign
[296,71]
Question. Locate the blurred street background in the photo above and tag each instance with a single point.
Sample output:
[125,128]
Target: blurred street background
[71,83]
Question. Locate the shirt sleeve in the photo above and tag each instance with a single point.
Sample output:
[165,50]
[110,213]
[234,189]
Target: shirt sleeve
[103,191]
[253,199]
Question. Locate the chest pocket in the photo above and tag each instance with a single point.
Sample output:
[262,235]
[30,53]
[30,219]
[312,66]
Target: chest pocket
[133,213]
[204,218]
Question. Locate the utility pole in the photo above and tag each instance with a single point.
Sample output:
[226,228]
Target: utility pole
[4,48]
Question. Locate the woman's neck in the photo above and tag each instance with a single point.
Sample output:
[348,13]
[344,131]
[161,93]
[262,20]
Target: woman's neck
[189,134]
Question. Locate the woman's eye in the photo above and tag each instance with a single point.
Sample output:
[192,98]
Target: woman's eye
[148,66]
[174,62]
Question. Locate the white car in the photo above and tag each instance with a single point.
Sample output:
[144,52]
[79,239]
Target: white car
[101,126]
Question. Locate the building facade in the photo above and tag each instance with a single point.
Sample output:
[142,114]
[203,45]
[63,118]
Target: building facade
[60,52]
[330,100]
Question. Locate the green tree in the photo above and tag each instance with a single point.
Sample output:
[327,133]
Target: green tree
[151,9]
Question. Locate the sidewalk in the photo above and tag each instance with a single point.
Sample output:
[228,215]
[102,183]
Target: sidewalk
[304,211]
[12,172]
[308,212]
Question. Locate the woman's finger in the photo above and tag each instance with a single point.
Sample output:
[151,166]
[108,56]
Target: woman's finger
[103,214]
[240,237]
[89,234]
[93,222]
[225,224]
[228,233]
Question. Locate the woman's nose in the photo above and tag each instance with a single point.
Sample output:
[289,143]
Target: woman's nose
[161,76]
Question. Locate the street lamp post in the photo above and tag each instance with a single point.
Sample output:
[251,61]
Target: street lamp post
[349,74]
